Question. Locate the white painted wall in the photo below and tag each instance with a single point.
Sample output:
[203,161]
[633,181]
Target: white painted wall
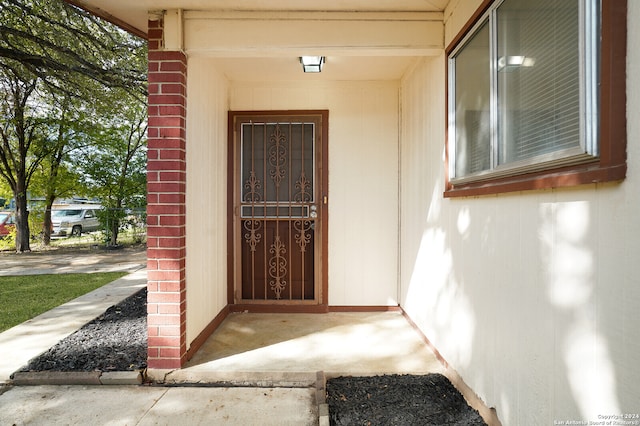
[532,297]
[363,178]
[206,274]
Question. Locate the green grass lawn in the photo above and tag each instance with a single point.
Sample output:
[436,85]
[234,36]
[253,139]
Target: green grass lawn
[24,297]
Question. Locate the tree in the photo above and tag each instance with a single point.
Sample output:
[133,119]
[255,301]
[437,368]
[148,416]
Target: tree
[22,146]
[53,181]
[115,166]
[54,40]
[68,132]
[49,49]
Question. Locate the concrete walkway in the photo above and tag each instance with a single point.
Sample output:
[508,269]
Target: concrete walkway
[142,405]
[66,261]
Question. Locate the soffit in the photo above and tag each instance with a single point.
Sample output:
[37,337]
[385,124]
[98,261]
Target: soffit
[382,65]
[135,13]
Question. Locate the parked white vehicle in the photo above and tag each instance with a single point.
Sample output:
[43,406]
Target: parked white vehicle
[74,219]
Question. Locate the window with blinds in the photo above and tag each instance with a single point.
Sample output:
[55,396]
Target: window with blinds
[522,89]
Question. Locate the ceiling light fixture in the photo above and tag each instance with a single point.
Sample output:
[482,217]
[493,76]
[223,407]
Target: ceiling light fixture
[312,63]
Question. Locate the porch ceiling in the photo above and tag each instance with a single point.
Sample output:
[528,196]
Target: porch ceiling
[337,68]
[133,16]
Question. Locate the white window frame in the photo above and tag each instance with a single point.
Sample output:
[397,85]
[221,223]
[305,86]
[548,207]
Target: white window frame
[588,149]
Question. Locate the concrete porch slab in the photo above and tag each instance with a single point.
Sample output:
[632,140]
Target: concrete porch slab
[276,347]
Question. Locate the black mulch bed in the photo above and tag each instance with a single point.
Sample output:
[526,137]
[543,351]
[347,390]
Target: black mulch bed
[398,400]
[115,341]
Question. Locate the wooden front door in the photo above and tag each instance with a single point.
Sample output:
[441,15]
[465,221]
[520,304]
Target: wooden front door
[279,198]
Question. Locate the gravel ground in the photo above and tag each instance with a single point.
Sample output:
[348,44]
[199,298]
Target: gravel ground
[398,400]
[117,341]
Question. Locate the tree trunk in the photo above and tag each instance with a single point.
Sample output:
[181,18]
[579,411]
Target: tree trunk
[22,222]
[115,225]
[47,225]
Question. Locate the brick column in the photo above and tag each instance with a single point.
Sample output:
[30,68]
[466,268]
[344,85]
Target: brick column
[166,186]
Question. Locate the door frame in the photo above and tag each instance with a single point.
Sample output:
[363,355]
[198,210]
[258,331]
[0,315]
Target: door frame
[233,259]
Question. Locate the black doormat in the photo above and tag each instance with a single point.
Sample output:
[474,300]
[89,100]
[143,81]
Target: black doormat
[398,400]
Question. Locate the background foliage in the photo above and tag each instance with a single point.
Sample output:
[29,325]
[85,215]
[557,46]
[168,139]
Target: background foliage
[72,113]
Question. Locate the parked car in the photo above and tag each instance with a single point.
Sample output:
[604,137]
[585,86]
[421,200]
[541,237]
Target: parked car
[7,223]
[74,220]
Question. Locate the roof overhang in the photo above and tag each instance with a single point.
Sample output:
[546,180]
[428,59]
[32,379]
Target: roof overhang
[132,15]
[258,40]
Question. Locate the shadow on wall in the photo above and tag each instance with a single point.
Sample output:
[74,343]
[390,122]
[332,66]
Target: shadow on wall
[566,239]
[506,291]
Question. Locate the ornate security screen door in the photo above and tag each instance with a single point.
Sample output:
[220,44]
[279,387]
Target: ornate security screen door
[279,208]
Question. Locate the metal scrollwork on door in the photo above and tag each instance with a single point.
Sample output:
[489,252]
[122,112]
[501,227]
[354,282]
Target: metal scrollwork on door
[252,237]
[278,156]
[254,185]
[303,185]
[277,267]
[277,209]
[303,235]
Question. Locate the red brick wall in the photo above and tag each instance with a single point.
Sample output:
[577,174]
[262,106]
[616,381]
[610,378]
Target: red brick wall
[166,185]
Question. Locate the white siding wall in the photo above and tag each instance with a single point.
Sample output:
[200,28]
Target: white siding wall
[207,94]
[363,178]
[532,297]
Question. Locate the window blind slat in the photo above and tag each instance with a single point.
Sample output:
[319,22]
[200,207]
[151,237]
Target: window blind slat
[539,104]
